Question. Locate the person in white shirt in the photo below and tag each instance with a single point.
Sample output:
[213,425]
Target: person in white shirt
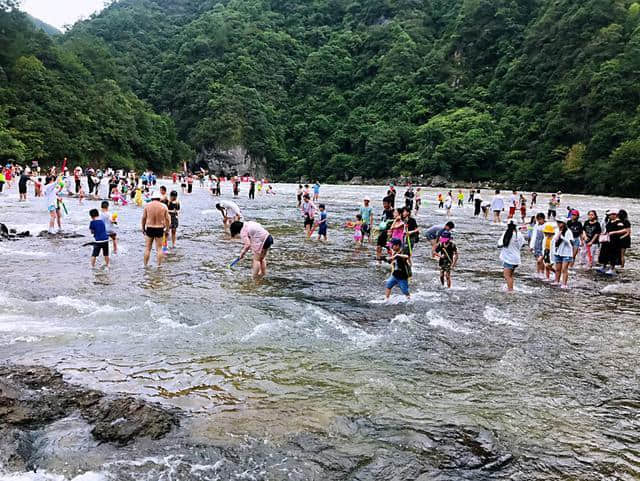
[230,213]
[563,243]
[497,206]
[510,244]
[51,191]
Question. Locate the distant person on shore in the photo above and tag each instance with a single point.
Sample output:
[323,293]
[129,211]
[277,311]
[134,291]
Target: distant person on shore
[510,244]
[257,239]
[155,226]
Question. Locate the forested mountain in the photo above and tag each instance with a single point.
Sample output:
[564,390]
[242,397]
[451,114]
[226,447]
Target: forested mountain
[540,93]
[45,27]
[63,100]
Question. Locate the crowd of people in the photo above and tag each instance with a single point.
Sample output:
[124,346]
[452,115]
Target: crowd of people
[558,242]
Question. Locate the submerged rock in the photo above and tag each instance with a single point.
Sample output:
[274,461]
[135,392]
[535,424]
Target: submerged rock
[60,235]
[32,397]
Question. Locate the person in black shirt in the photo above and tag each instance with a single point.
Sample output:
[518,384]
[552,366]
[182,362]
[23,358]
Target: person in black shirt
[391,195]
[401,270]
[591,230]
[448,256]
[387,215]
[610,249]
[252,189]
[22,184]
[625,239]
[412,230]
[575,226]
[408,198]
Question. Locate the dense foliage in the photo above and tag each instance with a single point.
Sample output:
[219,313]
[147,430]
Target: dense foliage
[540,93]
[61,100]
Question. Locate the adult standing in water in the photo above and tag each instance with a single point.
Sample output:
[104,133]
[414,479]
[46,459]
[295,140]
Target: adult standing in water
[316,191]
[497,206]
[155,225]
[174,210]
[510,244]
[25,177]
[625,239]
[252,189]
[385,222]
[257,239]
[591,231]
[563,243]
[477,203]
[51,191]
[309,214]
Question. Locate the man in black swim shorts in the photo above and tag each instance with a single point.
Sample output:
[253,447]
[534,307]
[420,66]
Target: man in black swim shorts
[155,224]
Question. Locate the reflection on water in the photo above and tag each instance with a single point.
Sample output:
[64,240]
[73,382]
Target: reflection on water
[312,371]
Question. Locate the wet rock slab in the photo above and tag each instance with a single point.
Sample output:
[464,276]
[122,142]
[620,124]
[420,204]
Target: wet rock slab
[33,397]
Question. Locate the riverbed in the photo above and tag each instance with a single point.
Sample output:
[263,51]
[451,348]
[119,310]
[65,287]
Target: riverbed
[310,374]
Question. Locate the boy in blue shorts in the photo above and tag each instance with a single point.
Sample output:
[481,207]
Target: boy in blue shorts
[401,269]
[99,231]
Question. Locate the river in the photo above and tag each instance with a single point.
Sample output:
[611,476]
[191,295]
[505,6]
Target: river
[309,374]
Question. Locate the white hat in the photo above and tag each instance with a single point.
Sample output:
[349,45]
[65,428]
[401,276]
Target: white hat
[613,211]
[368,199]
[155,195]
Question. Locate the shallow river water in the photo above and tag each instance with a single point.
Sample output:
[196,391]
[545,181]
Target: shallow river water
[310,375]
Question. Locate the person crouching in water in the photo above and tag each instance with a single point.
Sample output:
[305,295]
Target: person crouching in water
[448,256]
[257,239]
[401,269]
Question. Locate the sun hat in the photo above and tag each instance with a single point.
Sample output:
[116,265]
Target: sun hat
[548,229]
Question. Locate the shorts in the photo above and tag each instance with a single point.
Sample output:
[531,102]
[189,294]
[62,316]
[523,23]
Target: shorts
[497,212]
[445,266]
[366,230]
[112,235]
[322,230]
[559,259]
[506,265]
[575,243]
[382,239]
[53,208]
[308,221]
[154,232]
[538,253]
[431,236]
[512,211]
[22,190]
[551,213]
[403,284]
[268,242]
[190,188]
[174,222]
[100,246]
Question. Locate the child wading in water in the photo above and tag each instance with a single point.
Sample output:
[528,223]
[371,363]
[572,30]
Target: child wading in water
[548,251]
[322,223]
[109,220]
[401,269]
[448,256]
[99,231]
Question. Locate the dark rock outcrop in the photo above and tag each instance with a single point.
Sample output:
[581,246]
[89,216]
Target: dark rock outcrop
[234,161]
[32,397]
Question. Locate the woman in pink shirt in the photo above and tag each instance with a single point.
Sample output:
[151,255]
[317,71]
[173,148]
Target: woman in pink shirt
[256,238]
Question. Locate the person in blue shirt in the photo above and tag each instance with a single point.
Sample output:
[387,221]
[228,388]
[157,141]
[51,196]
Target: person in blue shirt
[101,238]
[366,211]
[322,224]
[316,191]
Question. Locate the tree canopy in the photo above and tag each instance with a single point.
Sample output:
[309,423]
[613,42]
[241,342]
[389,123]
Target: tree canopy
[539,93]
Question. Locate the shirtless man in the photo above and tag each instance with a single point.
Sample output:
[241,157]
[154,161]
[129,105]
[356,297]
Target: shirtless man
[155,224]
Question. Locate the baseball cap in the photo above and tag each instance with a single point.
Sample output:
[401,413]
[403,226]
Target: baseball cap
[575,212]
[368,199]
[445,236]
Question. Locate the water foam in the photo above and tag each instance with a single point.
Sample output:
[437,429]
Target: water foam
[436,320]
[47,476]
[496,316]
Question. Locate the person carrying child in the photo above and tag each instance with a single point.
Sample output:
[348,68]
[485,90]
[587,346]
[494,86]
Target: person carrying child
[401,270]
[448,252]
